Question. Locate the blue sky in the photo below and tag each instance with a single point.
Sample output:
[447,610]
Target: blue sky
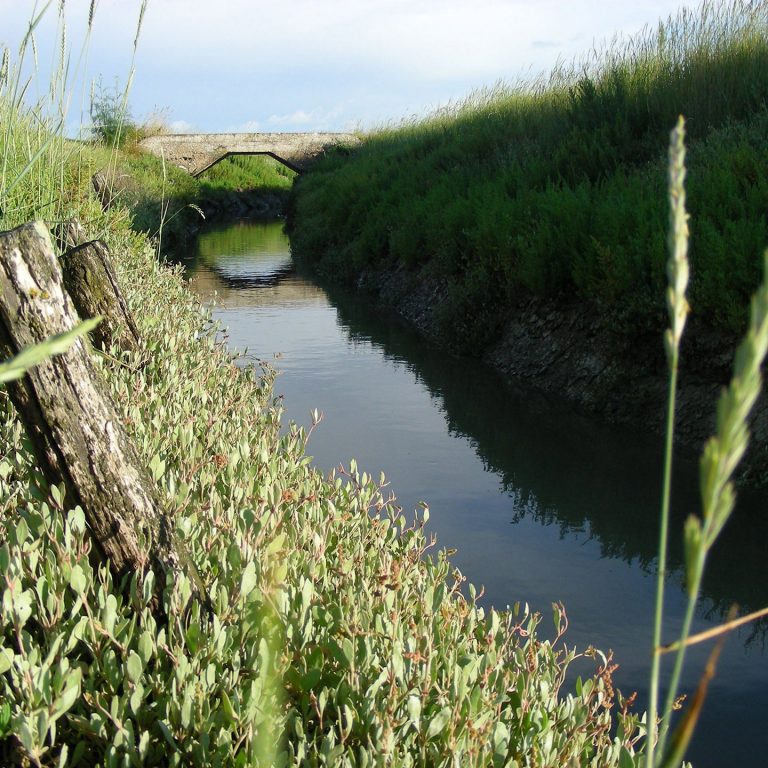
[303,65]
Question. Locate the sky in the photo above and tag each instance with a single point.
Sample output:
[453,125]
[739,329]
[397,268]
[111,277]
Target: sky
[311,65]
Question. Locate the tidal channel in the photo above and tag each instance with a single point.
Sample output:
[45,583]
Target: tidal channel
[541,504]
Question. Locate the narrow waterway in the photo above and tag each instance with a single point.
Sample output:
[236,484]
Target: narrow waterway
[541,504]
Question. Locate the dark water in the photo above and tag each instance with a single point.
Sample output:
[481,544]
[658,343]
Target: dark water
[542,505]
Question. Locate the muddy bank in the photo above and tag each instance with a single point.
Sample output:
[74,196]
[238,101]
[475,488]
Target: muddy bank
[575,352]
[244,203]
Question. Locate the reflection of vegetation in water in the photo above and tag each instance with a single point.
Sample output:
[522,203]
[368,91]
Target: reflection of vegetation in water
[553,463]
[565,470]
[243,254]
[236,239]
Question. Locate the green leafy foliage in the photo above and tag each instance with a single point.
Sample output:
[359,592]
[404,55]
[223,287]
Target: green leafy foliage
[243,172]
[334,634]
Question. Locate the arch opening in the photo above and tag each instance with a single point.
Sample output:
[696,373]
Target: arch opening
[282,161]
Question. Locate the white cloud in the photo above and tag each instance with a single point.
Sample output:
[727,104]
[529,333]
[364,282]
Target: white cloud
[299,117]
[426,38]
[181,126]
[310,120]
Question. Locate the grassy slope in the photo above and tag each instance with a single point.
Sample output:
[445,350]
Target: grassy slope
[333,635]
[558,186]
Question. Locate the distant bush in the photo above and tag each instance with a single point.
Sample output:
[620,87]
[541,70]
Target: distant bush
[111,121]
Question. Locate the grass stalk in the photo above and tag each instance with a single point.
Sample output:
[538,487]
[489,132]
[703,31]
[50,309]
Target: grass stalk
[677,305]
[122,114]
[37,158]
[16,366]
[720,458]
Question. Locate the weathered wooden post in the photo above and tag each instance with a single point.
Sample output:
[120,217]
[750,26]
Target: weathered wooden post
[71,420]
[103,189]
[92,285]
[69,234]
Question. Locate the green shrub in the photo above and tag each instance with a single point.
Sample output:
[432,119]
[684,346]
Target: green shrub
[111,121]
[242,172]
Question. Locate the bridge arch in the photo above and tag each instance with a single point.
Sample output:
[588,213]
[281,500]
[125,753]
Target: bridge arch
[198,152]
[217,160]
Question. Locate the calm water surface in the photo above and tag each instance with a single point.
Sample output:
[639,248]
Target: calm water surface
[542,505]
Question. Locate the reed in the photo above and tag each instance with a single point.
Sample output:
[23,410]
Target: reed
[677,272]
[119,116]
[720,458]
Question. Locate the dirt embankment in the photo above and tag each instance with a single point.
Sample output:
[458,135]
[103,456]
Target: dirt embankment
[575,352]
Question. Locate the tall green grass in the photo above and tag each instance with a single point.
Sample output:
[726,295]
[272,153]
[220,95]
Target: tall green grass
[556,185]
[36,159]
[40,170]
[44,173]
[244,172]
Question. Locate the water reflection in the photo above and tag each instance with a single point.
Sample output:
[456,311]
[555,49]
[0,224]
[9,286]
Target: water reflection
[543,504]
[567,470]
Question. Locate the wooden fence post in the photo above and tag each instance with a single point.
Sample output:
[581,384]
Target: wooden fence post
[71,420]
[102,188]
[92,285]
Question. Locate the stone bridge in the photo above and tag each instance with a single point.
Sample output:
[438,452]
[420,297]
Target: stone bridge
[196,152]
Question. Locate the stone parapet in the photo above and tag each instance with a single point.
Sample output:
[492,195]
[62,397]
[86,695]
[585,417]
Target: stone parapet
[197,152]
